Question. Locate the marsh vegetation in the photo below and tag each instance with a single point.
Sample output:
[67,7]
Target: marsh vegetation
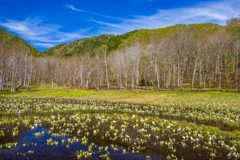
[96,129]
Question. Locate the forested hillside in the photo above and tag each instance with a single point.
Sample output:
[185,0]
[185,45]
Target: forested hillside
[92,45]
[10,42]
[89,46]
[196,56]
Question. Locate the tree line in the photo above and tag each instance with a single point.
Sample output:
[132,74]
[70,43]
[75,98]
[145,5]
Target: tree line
[186,57]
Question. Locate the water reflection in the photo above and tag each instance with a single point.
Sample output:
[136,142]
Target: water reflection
[32,147]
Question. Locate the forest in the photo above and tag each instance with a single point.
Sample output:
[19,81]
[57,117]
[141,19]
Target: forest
[194,56]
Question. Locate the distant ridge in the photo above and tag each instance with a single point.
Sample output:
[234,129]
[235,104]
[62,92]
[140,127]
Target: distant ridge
[114,42]
[92,45]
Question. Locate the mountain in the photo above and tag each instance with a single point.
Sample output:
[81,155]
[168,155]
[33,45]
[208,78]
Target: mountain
[114,42]
[92,45]
[10,42]
[89,45]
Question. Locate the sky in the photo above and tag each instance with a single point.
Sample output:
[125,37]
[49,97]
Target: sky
[47,23]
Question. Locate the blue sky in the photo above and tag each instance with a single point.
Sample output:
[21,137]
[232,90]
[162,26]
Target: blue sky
[46,23]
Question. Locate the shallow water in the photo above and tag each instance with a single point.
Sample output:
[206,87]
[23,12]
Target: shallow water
[32,147]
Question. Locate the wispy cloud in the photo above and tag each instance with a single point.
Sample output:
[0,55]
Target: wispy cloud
[108,24]
[39,34]
[208,12]
[45,45]
[73,8]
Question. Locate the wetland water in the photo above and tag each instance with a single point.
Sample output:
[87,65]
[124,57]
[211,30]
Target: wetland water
[32,147]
